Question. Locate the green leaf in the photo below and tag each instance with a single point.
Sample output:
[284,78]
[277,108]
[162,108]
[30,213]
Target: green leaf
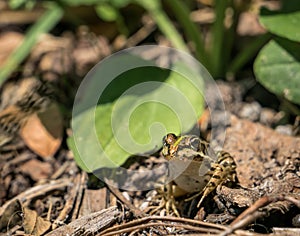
[163,22]
[192,31]
[284,24]
[277,67]
[82,2]
[120,3]
[107,12]
[134,112]
[15,4]
[115,3]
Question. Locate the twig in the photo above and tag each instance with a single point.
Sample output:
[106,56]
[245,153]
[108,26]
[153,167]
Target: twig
[153,224]
[37,191]
[263,202]
[69,204]
[259,203]
[82,186]
[144,222]
[137,212]
[90,224]
[295,201]
[148,27]
[253,212]
[60,171]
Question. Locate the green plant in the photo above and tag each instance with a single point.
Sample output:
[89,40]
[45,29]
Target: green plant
[216,56]
[277,66]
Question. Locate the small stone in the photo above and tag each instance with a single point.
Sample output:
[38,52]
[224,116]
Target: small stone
[284,129]
[267,116]
[296,221]
[251,111]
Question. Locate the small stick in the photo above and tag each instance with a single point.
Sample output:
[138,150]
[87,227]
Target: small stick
[37,191]
[253,213]
[146,220]
[137,212]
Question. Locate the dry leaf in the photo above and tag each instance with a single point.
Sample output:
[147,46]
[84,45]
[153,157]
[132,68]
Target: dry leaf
[36,169]
[33,224]
[42,133]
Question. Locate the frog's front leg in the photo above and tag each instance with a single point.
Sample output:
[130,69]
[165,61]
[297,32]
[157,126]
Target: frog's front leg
[167,199]
[170,202]
[167,194]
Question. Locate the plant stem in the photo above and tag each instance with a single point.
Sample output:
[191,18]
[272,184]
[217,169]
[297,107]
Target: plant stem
[193,33]
[218,38]
[289,106]
[48,20]
[163,22]
[230,36]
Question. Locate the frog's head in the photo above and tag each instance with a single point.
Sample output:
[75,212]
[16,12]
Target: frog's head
[170,144]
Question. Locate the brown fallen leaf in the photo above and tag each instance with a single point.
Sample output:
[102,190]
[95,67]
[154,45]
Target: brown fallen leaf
[15,214]
[42,132]
[36,169]
[34,224]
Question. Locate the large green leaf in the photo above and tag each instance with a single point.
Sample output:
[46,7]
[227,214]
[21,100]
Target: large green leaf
[133,114]
[284,24]
[277,67]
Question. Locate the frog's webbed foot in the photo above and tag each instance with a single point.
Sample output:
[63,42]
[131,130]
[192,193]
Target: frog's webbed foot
[167,200]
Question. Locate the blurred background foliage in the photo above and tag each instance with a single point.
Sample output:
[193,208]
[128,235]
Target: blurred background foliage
[222,35]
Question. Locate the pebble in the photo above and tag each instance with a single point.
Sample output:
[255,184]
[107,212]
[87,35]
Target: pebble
[251,111]
[296,221]
[284,129]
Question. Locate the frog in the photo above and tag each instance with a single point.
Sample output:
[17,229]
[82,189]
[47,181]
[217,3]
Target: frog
[201,169]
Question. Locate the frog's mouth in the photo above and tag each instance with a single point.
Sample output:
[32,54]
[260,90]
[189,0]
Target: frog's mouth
[170,145]
[168,152]
[165,151]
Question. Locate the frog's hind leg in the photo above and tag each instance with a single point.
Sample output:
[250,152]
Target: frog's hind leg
[223,171]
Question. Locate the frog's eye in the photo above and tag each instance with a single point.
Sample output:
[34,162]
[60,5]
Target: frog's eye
[169,139]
